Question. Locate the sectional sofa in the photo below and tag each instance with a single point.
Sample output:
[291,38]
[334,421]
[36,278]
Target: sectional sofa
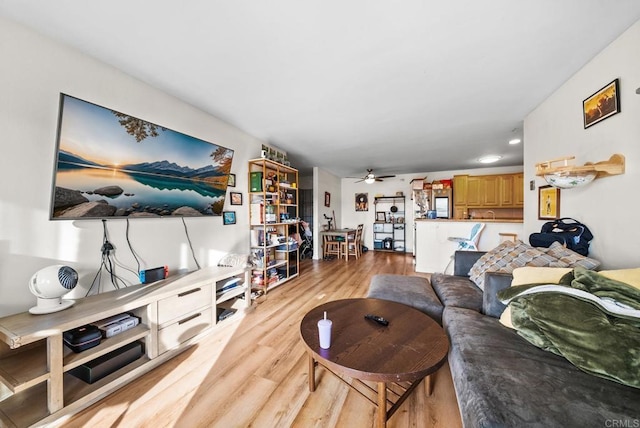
[500,379]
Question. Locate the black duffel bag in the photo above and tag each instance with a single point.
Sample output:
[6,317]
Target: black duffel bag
[567,231]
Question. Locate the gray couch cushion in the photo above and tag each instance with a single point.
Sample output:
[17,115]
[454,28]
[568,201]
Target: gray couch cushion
[457,291]
[503,381]
[493,283]
[413,291]
[464,261]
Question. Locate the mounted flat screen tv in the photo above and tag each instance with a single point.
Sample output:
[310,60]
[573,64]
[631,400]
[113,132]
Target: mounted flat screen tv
[109,164]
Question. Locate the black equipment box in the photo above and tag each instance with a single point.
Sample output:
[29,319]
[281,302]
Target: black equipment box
[82,338]
[95,370]
[223,314]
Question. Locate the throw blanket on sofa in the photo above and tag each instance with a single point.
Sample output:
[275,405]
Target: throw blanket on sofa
[594,323]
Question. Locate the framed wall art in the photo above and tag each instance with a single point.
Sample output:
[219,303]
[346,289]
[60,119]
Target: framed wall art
[601,105]
[327,199]
[236,198]
[231,182]
[228,217]
[138,167]
[548,203]
[362,202]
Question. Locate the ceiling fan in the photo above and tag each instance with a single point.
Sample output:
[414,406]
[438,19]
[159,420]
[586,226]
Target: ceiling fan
[371,177]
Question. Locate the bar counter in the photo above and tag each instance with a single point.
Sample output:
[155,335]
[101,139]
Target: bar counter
[474,220]
[434,249]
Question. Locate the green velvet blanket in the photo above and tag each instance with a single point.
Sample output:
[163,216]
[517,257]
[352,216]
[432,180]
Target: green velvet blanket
[594,322]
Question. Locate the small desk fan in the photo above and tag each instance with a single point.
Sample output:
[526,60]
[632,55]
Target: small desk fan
[49,285]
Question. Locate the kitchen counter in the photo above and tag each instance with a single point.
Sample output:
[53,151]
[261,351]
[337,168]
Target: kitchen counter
[434,249]
[475,220]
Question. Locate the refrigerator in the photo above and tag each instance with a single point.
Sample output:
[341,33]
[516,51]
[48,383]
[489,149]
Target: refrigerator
[443,202]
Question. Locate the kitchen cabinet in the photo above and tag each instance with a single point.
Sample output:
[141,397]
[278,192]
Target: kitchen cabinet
[460,184]
[474,198]
[490,191]
[518,190]
[473,192]
[507,190]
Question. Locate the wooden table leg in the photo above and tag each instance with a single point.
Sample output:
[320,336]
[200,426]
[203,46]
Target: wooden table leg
[382,405]
[312,374]
[429,385]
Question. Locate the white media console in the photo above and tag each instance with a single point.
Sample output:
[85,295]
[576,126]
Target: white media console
[174,313]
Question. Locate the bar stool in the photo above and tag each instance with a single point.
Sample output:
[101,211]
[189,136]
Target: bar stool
[507,236]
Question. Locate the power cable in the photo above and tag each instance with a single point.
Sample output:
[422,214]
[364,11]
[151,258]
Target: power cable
[186,231]
[107,263]
[135,255]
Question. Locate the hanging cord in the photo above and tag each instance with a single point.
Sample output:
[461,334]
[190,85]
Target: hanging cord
[135,255]
[107,263]
[186,231]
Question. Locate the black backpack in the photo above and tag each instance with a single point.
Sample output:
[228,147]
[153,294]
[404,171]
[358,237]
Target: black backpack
[567,231]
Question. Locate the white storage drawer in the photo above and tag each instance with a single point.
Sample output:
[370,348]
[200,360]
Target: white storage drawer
[175,307]
[182,330]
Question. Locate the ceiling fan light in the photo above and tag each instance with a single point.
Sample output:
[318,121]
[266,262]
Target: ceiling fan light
[370,180]
[489,159]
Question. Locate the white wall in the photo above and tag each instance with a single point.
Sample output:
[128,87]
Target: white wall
[324,181]
[389,187]
[608,206]
[34,71]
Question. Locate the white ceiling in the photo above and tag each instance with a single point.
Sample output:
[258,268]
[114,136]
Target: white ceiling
[399,86]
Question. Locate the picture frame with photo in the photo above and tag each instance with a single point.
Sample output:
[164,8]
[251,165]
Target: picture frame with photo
[228,217]
[548,203]
[236,198]
[231,182]
[381,216]
[362,202]
[602,104]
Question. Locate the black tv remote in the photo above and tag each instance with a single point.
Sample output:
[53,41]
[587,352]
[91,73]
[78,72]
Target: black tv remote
[377,319]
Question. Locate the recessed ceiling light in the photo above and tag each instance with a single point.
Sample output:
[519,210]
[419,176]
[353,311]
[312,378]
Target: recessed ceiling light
[515,141]
[489,159]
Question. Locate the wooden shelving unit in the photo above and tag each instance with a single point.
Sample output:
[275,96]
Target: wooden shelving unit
[389,234]
[273,210]
[35,366]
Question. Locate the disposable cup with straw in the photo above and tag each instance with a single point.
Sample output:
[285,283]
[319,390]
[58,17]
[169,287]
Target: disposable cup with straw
[324,332]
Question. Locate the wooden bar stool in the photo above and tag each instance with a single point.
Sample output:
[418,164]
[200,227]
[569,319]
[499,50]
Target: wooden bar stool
[507,236]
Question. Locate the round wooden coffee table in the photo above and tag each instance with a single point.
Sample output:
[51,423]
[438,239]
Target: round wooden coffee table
[397,357]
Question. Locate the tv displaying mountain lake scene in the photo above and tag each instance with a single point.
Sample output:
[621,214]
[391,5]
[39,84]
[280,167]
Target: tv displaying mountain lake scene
[109,164]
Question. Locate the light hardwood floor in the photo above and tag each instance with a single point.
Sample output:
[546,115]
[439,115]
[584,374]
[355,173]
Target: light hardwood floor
[252,371]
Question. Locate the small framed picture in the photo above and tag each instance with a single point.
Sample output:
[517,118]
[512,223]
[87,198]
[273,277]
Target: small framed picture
[381,216]
[236,198]
[602,104]
[231,182]
[548,203]
[228,217]
[362,202]
[327,199]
